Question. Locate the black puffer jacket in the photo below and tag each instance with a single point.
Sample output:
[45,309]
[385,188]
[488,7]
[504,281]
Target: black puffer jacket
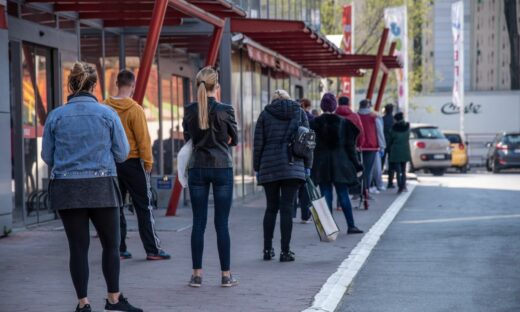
[210,147]
[271,154]
[335,154]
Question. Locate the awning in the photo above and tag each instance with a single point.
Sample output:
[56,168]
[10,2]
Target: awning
[303,45]
[271,59]
[135,13]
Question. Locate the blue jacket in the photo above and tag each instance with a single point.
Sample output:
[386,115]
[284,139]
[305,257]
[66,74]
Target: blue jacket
[83,139]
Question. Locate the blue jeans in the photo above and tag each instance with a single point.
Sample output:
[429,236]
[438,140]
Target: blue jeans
[199,181]
[344,201]
[368,166]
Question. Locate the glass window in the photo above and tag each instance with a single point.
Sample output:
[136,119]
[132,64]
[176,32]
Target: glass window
[264,8]
[429,133]
[112,66]
[273,9]
[512,138]
[247,124]
[453,138]
[236,101]
[91,53]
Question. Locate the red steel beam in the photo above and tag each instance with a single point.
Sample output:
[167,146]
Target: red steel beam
[194,11]
[3,18]
[140,23]
[379,58]
[214,46]
[383,81]
[159,12]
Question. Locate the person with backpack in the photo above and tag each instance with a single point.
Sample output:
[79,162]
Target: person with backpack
[212,128]
[82,141]
[278,170]
[134,173]
[335,160]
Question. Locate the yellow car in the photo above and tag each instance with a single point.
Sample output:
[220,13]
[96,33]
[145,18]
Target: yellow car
[459,151]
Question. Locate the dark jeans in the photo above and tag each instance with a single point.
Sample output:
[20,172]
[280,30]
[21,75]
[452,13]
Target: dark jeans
[368,163]
[304,202]
[199,181]
[344,201]
[133,179]
[280,195]
[400,170]
[76,224]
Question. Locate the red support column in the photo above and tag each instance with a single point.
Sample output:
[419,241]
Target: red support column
[214,46]
[383,81]
[152,40]
[379,58]
[3,17]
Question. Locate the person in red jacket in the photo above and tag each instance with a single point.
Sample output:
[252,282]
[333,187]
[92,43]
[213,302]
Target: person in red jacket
[374,133]
[344,110]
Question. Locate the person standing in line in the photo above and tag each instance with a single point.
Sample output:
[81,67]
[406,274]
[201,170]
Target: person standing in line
[344,110]
[377,171]
[388,122]
[82,140]
[134,173]
[277,171]
[303,199]
[315,113]
[335,160]
[370,147]
[213,130]
[399,147]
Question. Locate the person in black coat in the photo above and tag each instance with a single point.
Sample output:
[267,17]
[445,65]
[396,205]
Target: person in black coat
[277,172]
[335,161]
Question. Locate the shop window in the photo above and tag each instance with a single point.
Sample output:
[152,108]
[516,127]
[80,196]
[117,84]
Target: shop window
[91,53]
[112,66]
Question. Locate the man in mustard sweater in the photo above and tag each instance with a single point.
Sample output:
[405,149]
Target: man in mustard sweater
[134,173]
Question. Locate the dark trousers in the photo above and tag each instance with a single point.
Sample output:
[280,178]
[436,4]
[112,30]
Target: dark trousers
[199,181]
[344,201]
[133,179]
[280,195]
[76,224]
[400,170]
[368,164]
[391,171]
[304,202]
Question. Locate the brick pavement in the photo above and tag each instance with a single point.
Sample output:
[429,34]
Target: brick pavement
[34,266]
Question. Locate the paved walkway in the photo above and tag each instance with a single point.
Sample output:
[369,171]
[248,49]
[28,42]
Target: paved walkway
[34,266]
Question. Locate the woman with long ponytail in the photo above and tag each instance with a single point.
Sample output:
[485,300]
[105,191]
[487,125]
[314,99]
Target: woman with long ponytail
[212,128]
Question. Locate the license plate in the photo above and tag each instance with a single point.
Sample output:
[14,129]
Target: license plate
[438,156]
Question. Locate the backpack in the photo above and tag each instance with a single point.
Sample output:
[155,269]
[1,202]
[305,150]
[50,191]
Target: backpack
[302,142]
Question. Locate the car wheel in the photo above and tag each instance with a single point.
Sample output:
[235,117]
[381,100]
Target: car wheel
[437,172]
[495,167]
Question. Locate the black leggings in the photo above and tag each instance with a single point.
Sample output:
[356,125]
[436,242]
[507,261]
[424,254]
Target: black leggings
[280,195]
[76,224]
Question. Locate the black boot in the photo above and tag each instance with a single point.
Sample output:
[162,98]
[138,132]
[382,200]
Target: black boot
[269,254]
[286,256]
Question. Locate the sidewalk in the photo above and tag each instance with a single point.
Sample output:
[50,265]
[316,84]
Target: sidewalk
[34,265]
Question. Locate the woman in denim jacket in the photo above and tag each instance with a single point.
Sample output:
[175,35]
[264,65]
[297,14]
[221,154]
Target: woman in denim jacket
[82,140]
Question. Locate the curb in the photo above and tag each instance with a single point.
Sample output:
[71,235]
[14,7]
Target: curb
[331,293]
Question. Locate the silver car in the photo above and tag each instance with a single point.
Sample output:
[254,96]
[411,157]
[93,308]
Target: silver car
[430,149]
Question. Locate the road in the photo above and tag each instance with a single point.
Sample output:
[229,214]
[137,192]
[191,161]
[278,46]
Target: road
[453,247]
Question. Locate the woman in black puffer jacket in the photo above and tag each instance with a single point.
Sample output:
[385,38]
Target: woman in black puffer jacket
[280,177]
[335,161]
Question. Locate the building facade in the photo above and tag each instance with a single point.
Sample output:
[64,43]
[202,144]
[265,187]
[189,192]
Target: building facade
[39,44]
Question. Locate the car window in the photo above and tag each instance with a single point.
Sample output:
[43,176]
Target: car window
[511,138]
[453,138]
[429,133]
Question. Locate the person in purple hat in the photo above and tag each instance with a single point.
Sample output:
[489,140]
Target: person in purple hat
[335,162]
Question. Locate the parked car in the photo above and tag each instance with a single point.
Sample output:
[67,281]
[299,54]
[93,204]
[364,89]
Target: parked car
[503,152]
[430,149]
[459,151]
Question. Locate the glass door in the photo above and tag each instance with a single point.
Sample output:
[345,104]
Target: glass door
[36,102]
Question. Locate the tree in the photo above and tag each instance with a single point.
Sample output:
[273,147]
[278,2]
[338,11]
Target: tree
[511,13]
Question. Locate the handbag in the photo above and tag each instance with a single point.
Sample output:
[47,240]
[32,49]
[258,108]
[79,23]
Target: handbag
[326,226]
[183,160]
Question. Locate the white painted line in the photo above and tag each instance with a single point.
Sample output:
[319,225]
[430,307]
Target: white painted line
[462,219]
[331,293]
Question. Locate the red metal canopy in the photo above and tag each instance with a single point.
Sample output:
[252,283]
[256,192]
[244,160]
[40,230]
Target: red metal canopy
[134,13]
[302,44]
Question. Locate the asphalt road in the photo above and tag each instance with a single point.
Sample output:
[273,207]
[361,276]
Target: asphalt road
[454,247]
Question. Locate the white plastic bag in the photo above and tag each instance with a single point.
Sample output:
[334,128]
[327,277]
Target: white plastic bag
[183,160]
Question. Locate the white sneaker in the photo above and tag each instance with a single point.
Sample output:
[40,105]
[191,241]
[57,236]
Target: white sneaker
[382,188]
[373,190]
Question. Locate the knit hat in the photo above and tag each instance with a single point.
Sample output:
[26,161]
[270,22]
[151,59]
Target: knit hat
[328,103]
[399,117]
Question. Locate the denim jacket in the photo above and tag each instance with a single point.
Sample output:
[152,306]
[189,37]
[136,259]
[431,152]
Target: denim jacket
[83,139]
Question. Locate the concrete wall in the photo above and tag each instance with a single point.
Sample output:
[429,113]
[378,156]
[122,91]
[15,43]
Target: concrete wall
[6,198]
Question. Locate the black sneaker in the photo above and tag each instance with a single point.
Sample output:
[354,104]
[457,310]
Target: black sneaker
[86,308]
[269,254]
[121,306]
[287,256]
[228,281]
[161,255]
[354,230]
[195,281]
[125,255]
[390,186]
